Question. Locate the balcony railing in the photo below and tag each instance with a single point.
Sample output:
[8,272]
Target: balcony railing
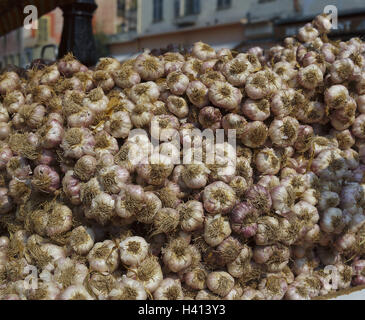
[123,37]
[186,21]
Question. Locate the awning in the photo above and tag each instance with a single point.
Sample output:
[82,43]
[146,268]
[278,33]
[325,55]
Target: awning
[12,14]
[227,45]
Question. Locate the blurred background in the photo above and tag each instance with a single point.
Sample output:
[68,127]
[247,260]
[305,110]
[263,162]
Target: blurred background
[122,28]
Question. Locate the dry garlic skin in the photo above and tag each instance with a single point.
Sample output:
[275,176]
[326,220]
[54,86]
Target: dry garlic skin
[82,240]
[149,273]
[283,198]
[275,257]
[195,175]
[75,292]
[228,250]
[45,179]
[240,265]
[210,117]
[95,200]
[254,134]
[216,229]
[192,215]
[196,278]
[267,162]
[284,133]
[85,167]
[59,220]
[100,284]
[332,221]
[96,101]
[69,272]
[78,142]
[236,71]
[244,219]
[164,127]
[177,106]
[119,125]
[69,65]
[44,255]
[259,197]
[203,51]
[45,291]
[220,283]
[128,289]
[112,179]
[148,67]
[133,250]
[126,77]
[310,77]
[233,121]
[157,170]
[177,82]
[329,164]
[169,289]
[218,197]
[224,95]
[102,208]
[197,93]
[256,110]
[273,287]
[13,100]
[104,257]
[328,199]
[152,204]
[166,221]
[177,256]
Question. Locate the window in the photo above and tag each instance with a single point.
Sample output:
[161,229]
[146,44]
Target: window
[126,6]
[157,10]
[192,7]
[121,28]
[132,5]
[224,4]
[132,15]
[121,8]
[43,30]
[127,11]
[177,8]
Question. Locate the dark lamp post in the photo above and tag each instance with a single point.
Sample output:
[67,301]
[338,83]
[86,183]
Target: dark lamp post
[77,34]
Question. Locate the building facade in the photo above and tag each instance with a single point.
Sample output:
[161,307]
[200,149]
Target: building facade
[133,25]
[226,23]
[182,22]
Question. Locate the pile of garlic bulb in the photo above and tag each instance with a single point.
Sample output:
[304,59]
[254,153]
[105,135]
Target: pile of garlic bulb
[82,219]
